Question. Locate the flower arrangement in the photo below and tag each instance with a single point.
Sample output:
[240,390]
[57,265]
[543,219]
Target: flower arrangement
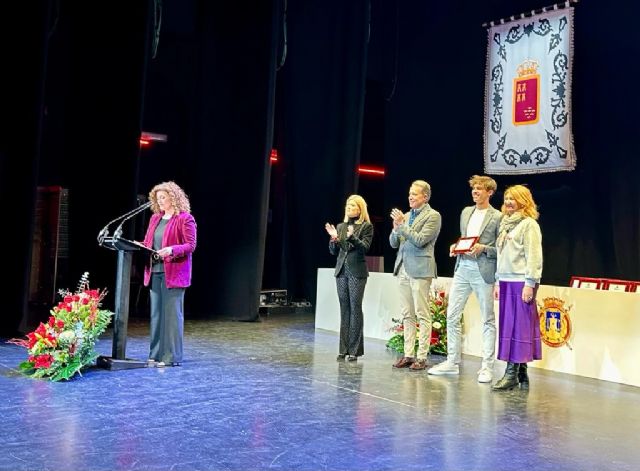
[64,345]
[438,301]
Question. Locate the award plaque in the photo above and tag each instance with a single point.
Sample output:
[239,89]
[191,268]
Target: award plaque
[464,244]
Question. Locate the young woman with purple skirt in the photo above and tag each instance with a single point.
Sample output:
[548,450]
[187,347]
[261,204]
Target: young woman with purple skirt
[518,275]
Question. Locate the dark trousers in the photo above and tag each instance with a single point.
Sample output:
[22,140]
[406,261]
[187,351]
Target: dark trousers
[350,294]
[167,321]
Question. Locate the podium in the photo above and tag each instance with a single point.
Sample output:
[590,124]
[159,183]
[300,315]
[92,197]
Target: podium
[125,249]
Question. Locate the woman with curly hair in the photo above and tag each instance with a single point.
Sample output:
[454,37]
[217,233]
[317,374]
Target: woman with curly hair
[172,235]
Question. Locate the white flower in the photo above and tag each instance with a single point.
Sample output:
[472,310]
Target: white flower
[67,336]
[436,325]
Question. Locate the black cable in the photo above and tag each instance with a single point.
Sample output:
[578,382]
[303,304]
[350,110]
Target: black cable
[283,57]
[157,22]
[54,24]
[396,53]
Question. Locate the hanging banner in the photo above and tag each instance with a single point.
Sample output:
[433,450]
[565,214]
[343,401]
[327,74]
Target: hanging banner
[528,95]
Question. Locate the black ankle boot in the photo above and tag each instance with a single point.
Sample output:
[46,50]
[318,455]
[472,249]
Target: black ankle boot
[523,377]
[509,380]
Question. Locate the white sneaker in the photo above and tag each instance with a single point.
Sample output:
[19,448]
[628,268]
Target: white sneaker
[485,375]
[444,368]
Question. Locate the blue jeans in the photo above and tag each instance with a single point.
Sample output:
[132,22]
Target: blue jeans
[466,279]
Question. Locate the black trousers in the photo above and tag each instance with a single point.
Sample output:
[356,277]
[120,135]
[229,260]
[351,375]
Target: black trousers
[350,294]
[167,321]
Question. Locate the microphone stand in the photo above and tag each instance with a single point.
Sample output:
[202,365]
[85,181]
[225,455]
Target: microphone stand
[118,232]
[125,248]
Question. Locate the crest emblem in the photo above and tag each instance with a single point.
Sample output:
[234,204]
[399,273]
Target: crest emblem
[555,323]
[526,94]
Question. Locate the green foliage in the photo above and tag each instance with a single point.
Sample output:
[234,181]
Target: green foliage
[63,346]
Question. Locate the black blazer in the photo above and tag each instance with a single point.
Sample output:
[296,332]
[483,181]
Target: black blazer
[351,251]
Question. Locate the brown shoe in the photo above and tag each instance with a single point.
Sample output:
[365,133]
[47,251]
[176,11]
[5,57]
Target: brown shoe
[418,365]
[404,362]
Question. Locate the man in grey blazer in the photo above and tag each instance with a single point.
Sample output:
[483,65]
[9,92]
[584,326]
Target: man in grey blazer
[475,271]
[414,234]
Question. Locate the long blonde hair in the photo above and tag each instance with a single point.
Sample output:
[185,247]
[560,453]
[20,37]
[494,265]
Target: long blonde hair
[522,195]
[362,206]
[177,196]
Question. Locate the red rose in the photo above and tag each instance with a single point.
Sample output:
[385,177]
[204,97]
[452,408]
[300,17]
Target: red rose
[43,361]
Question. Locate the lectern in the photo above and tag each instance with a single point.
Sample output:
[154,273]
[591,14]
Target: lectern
[125,249]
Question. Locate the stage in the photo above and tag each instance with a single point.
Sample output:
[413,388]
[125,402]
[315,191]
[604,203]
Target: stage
[271,395]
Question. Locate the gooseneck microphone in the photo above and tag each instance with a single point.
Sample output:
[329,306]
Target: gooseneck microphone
[118,232]
[104,232]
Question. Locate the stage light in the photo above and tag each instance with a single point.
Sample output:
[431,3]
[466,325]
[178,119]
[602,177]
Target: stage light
[146,138]
[371,171]
[153,136]
[274,155]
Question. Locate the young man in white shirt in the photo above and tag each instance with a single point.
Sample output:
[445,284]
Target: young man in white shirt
[474,271]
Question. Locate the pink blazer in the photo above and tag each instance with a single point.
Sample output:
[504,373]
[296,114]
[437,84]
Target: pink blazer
[181,234]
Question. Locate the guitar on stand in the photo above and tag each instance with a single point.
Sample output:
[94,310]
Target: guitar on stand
[125,249]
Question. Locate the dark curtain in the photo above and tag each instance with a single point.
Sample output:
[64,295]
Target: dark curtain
[78,129]
[319,123]
[93,104]
[424,108]
[590,218]
[211,90]
[23,46]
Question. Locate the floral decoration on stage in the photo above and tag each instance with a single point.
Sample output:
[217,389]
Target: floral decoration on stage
[438,301]
[61,347]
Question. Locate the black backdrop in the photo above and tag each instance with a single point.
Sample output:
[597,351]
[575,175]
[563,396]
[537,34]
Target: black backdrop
[319,112]
[589,217]
[21,93]
[211,89]
[393,83]
[424,119]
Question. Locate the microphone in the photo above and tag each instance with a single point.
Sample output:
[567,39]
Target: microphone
[104,232]
[118,232]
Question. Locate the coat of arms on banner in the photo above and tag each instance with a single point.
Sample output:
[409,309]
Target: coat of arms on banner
[528,95]
[555,323]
